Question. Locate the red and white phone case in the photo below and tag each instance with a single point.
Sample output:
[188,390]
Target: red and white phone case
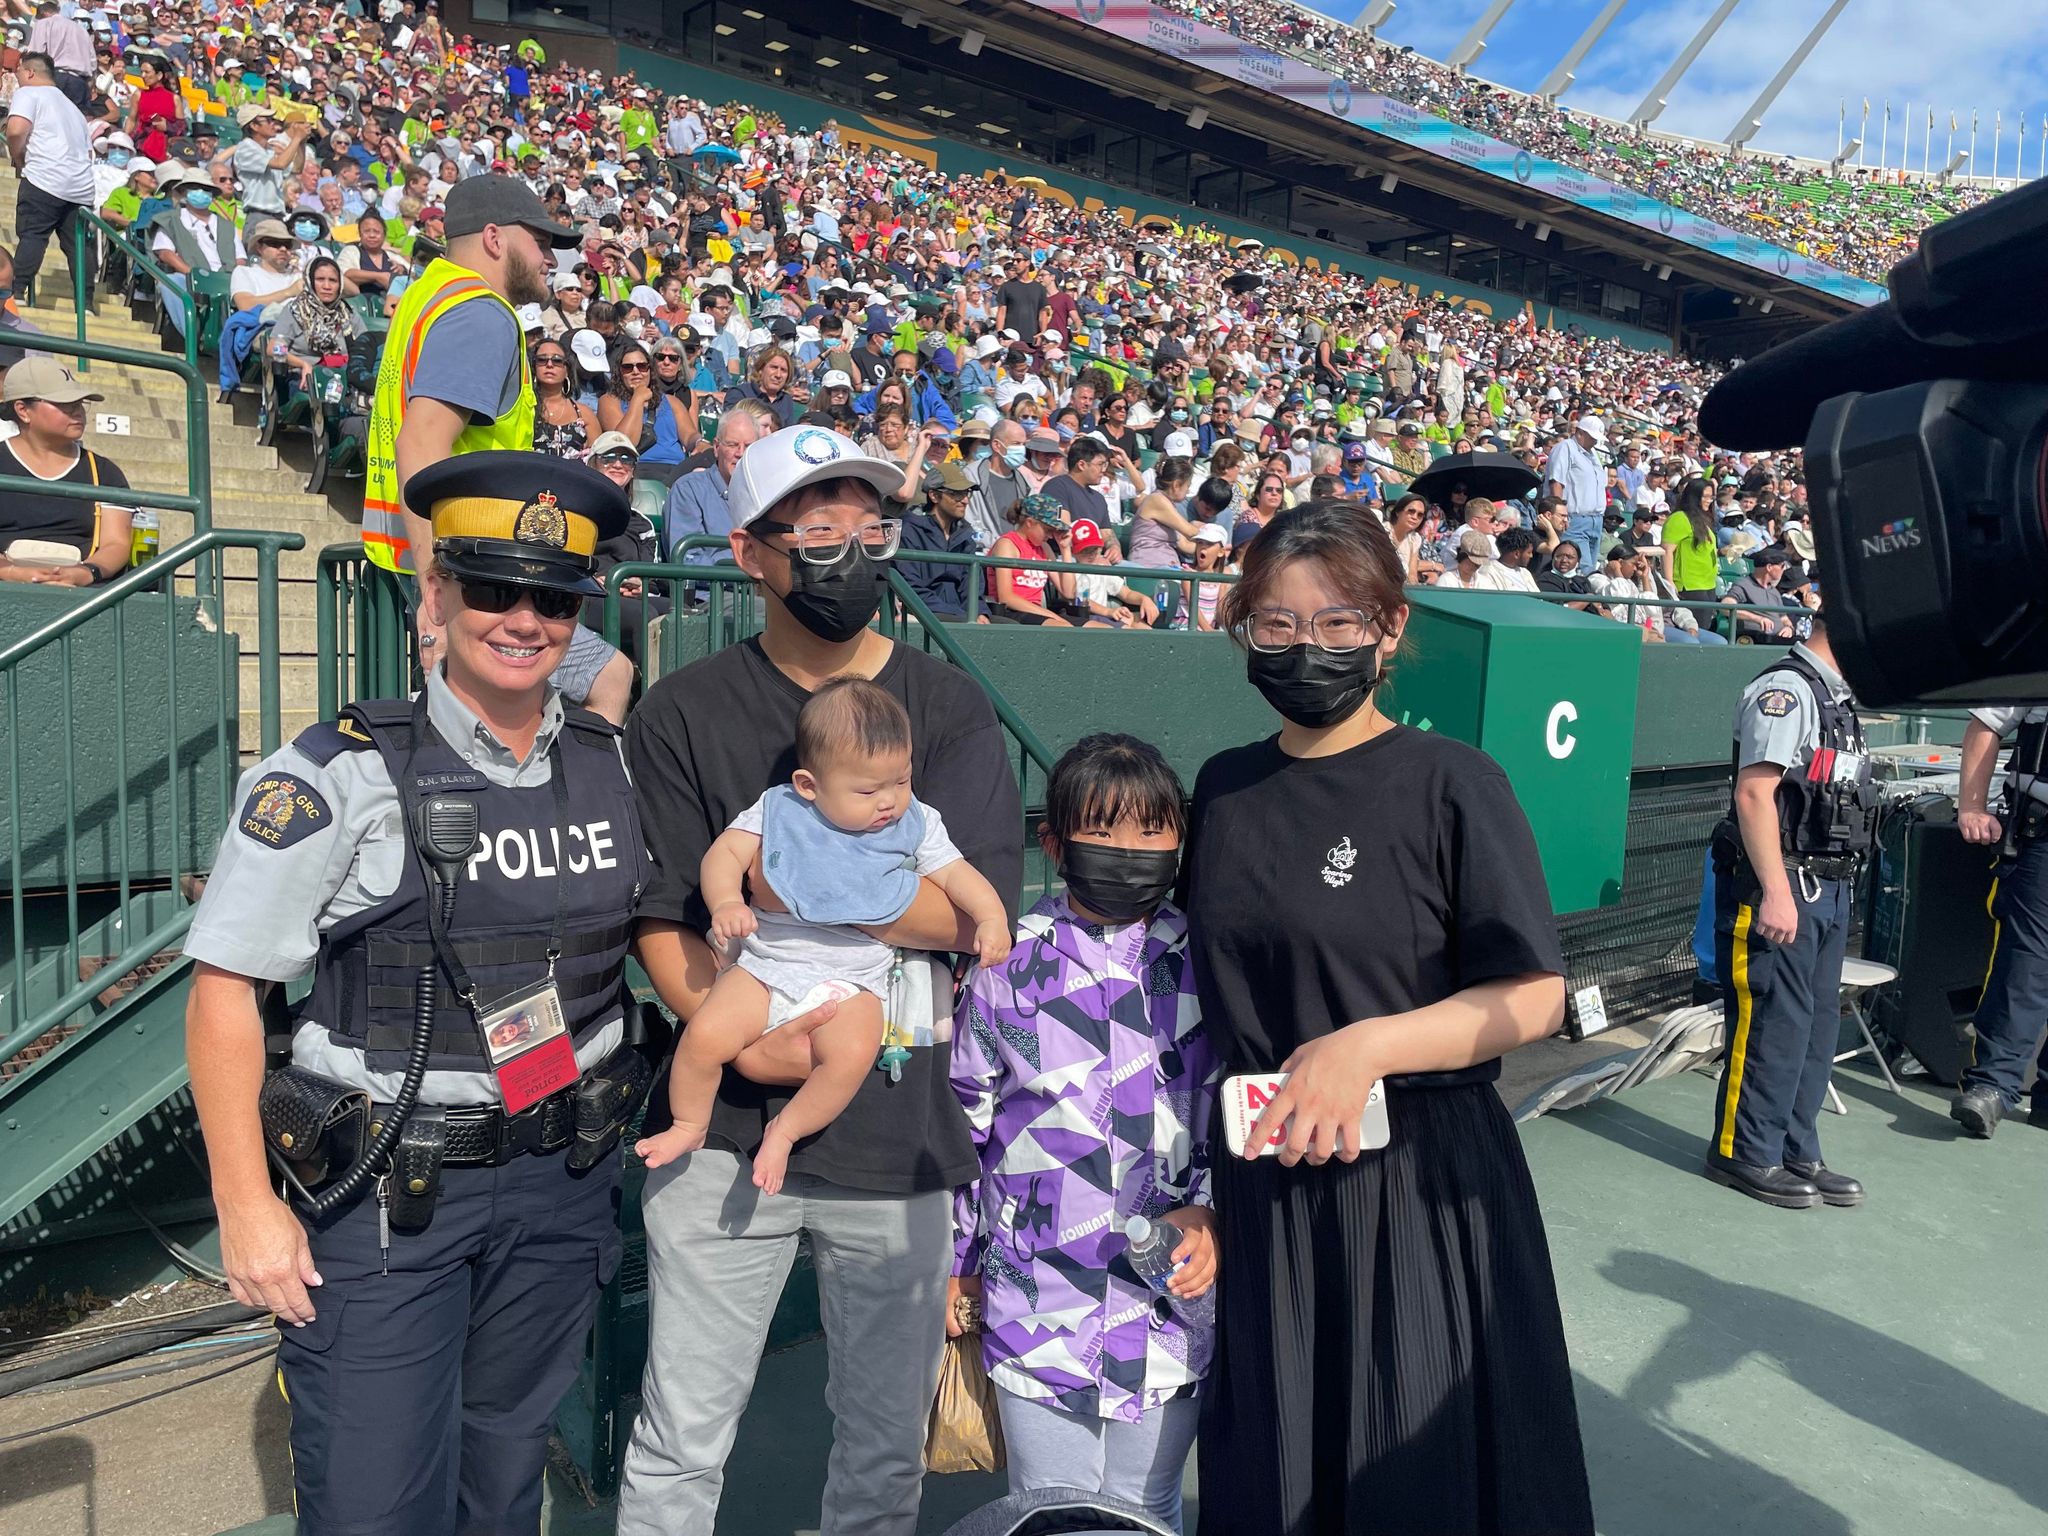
[1246,1096]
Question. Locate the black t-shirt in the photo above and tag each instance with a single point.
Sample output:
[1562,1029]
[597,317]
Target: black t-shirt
[704,744]
[1550,579]
[32,515]
[1022,302]
[1079,500]
[1322,891]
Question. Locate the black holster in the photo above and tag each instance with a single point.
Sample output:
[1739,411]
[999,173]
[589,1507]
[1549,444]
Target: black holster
[608,1097]
[415,1177]
[314,1128]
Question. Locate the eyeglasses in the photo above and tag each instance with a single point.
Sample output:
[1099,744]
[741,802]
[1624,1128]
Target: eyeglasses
[1334,629]
[617,456]
[635,367]
[503,596]
[549,360]
[668,357]
[822,544]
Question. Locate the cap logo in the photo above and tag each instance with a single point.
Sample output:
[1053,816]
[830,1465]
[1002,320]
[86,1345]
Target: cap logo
[814,446]
[541,521]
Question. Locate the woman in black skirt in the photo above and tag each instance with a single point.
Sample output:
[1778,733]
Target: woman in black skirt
[1366,904]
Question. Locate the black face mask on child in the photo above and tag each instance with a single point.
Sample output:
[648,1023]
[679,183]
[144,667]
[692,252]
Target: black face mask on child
[1119,885]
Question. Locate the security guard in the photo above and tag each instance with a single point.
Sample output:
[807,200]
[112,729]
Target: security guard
[459,873]
[1804,813]
[2011,1012]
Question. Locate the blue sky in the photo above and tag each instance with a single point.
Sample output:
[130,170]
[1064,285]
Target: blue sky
[1952,54]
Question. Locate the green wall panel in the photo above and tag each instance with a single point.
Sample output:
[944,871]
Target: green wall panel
[167,814]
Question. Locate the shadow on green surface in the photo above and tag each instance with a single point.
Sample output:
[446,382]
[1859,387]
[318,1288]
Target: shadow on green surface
[1888,1385]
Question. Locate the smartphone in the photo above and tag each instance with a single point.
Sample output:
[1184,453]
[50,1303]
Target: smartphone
[1246,1096]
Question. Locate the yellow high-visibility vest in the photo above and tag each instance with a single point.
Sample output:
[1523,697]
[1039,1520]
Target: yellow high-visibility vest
[431,295]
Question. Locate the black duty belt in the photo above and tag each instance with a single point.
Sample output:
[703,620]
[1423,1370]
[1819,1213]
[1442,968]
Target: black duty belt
[484,1136]
[1824,866]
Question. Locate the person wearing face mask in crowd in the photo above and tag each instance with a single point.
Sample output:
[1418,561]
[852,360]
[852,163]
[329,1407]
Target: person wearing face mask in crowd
[1088,1399]
[194,235]
[998,483]
[1362,825]
[873,1190]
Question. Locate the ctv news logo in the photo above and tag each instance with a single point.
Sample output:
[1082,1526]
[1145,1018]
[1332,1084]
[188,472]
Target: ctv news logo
[1892,537]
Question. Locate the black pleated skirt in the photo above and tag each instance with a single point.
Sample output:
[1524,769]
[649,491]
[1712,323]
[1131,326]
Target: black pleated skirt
[1391,1359]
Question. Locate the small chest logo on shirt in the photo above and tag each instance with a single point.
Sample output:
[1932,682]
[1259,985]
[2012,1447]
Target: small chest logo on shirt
[1337,871]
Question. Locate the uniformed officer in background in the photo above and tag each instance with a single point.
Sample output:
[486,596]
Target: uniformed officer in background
[459,872]
[1804,813]
[2014,1007]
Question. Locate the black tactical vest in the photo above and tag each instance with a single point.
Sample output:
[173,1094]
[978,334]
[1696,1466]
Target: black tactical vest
[1826,809]
[505,905]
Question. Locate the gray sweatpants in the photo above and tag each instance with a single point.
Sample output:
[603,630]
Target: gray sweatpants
[718,1252]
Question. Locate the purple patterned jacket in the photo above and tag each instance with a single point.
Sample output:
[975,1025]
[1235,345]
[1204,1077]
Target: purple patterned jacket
[1089,1084]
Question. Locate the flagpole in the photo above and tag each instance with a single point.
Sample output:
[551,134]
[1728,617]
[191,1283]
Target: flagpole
[1841,125]
[1884,147]
[1949,154]
[1927,142]
[1997,137]
[1863,133]
[1973,143]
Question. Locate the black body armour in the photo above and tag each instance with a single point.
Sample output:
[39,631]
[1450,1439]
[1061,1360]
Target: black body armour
[1828,808]
[505,912]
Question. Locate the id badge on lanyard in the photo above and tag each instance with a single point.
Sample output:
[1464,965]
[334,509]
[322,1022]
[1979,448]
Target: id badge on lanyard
[527,1042]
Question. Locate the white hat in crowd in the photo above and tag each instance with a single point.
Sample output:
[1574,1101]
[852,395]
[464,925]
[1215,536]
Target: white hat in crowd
[783,463]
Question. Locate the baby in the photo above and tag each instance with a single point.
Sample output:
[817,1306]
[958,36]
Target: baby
[844,845]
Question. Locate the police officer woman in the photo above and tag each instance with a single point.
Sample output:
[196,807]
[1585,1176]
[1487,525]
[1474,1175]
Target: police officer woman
[2015,1000]
[1785,859]
[459,872]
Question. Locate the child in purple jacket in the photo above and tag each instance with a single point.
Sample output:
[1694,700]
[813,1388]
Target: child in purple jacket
[1090,1084]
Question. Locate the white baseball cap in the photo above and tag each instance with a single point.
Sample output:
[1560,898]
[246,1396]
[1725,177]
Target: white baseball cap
[1593,427]
[588,347]
[1211,533]
[1179,445]
[782,463]
[529,317]
[836,378]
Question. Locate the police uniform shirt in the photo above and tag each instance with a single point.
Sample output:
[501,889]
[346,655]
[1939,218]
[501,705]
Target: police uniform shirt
[314,842]
[2002,723]
[1779,719]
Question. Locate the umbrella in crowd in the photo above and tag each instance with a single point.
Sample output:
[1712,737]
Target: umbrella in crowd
[1496,476]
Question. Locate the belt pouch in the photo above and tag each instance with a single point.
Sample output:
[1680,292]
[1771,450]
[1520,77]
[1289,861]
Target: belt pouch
[314,1128]
[605,1101]
[416,1169]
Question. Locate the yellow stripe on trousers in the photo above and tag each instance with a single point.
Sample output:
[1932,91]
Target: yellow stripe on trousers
[1738,1048]
[1997,932]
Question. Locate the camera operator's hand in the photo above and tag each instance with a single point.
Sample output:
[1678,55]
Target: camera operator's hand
[1980,827]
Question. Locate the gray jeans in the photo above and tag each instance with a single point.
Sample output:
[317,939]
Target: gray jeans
[718,1253]
[1140,1463]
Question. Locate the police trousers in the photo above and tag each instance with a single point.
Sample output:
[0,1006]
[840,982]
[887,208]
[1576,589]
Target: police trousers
[1783,1004]
[2014,1008]
[422,1399]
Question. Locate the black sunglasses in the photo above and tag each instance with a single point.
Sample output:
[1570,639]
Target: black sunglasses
[504,596]
[550,360]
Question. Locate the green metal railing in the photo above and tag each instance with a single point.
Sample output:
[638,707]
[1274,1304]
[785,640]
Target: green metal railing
[367,646]
[85,295]
[107,710]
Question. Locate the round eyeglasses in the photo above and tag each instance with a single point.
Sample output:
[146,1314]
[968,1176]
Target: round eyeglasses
[823,544]
[1334,629]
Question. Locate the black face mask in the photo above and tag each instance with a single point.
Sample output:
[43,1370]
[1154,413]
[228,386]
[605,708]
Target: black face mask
[836,602]
[1119,884]
[1311,686]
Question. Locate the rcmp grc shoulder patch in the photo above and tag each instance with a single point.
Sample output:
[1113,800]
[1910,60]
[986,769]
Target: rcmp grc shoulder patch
[1777,701]
[283,809]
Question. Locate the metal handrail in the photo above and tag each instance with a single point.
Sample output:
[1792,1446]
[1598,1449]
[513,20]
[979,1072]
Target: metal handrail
[111,600]
[379,642]
[85,299]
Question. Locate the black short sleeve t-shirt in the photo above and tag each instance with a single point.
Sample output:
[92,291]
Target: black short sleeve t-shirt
[55,519]
[703,745]
[1023,303]
[1322,891]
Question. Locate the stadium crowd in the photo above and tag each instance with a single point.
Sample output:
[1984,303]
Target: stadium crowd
[1861,222]
[1055,384]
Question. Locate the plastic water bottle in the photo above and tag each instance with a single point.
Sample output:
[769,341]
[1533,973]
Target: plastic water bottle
[143,536]
[1151,1255]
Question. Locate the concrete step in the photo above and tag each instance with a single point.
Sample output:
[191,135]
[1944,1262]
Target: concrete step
[298,679]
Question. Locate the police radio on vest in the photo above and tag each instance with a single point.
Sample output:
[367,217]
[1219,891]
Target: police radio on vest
[516,853]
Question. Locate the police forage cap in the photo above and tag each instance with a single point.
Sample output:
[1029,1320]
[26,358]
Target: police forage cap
[517,516]
[477,201]
[777,466]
